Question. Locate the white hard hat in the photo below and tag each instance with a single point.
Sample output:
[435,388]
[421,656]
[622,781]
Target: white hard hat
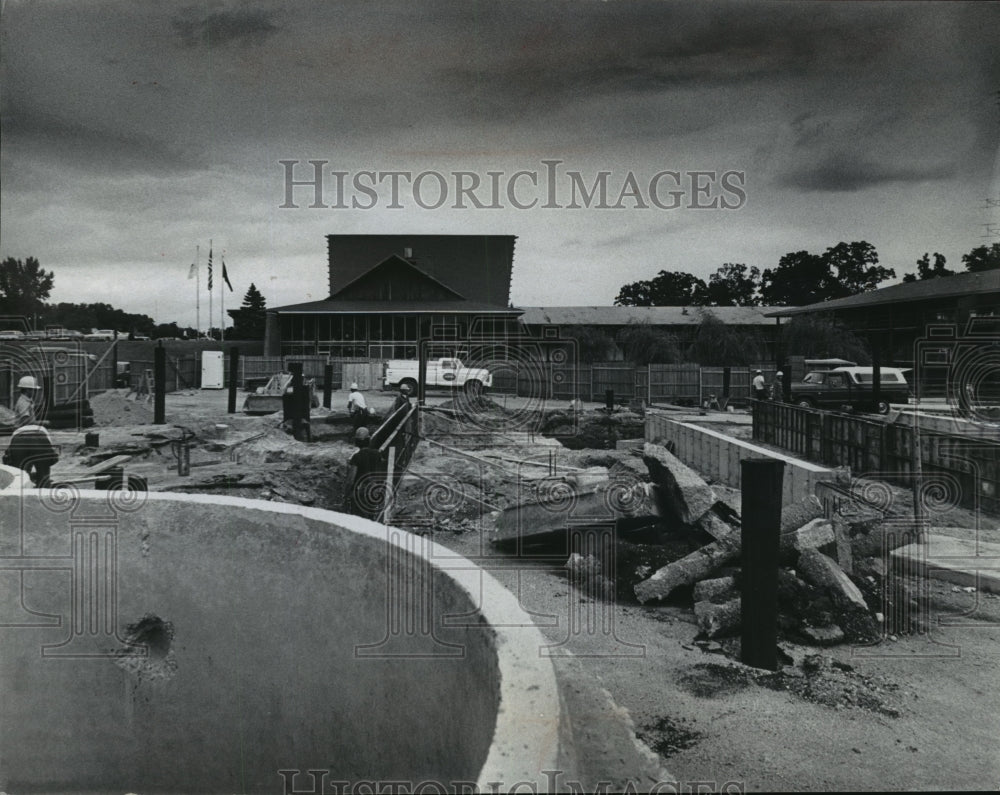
[27,382]
[758,371]
[354,385]
[778,374]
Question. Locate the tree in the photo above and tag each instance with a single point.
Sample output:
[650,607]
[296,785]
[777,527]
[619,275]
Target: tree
[716,344]
[927,271]
[250,319]
[24,286]
[857,268]
[821,337]
[802,278]
[732,285]
[666,289]
[592,343]
[642,344]
[982,258]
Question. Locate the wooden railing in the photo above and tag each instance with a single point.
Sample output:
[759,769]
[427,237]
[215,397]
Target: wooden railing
[958,469]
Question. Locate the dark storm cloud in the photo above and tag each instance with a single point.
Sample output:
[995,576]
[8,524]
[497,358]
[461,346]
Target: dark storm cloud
[644,48]
[244,26]
[841,172]
[79,147]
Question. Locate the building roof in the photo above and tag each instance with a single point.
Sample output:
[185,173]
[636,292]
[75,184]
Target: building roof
[379,272]
[655,315]
[336,306]
[477,267]
[960,284]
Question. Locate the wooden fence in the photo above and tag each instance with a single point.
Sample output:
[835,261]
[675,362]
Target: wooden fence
[684,384]
[959,470]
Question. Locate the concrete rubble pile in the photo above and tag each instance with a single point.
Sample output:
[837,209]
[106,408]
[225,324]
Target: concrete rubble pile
[675,539]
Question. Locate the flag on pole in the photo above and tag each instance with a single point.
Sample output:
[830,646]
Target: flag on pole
[210,269]
[225,276]
[192,271]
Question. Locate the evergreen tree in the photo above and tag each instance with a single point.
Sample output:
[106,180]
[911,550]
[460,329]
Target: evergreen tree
[250,319]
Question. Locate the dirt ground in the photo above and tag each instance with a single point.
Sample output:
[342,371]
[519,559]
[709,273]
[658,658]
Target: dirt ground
[918,711]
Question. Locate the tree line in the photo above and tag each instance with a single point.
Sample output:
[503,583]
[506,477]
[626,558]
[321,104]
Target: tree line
[800,278]
[25,286]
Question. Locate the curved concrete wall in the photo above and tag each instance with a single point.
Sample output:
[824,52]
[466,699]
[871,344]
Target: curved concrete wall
[196,644]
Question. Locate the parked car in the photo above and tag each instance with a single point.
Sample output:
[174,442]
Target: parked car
[11,334]
[100,334]
[851,386]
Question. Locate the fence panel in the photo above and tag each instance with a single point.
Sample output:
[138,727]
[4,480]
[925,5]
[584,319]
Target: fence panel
[617,377]
[675,383]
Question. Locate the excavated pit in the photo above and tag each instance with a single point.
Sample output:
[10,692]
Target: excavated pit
[186,643]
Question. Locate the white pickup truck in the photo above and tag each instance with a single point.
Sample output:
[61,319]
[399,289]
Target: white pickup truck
[440,373]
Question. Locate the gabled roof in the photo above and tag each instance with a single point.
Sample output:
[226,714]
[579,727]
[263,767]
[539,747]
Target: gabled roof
[654,315]
[477,267]
[388,262]
[960,284]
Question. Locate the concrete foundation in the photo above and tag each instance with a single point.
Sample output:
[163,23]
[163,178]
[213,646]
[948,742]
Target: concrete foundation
[717,456]
[185,643]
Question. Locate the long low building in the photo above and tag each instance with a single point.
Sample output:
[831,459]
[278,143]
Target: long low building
[390,292]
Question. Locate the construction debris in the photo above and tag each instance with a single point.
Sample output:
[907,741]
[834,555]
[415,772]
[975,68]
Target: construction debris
[688,570]
[812,535]
[721,589]
[682,493]
[716,620]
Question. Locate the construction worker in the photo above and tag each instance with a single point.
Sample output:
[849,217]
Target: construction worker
[24,408]
[402,399]
[32,451]
[365,481]
[357,407]
[759,388]
[777,388]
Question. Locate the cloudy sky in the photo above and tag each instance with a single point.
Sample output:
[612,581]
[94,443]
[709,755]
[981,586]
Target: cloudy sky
[135,131]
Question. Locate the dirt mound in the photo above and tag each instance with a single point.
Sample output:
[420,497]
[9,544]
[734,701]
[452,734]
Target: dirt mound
[113,408]
[595,430]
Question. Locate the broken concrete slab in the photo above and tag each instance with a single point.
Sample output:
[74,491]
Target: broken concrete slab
[685,494]
[721,522]
[829,635]
[851,610]
[824,572]
[720,589]
[796,514]
[635,562]
[563,506]
[716,620]
[688,570]
[812,535]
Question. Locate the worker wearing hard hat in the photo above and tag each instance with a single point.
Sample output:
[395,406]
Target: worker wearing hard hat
[364,486]
[31,450]
[402,399]
[24,408]
[777,388]
[357,407]
[759,389]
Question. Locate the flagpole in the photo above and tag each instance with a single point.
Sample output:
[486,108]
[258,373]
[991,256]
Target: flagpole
[222,302]
[197,290]
[210,334]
